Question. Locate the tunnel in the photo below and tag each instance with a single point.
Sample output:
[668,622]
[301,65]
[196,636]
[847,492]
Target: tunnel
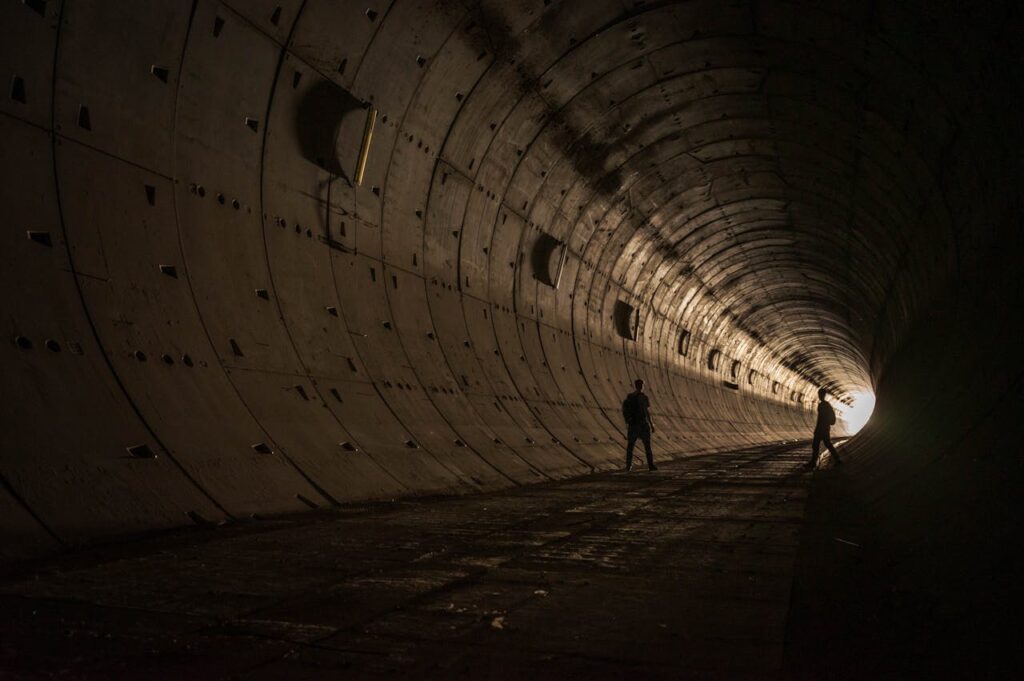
[267,258]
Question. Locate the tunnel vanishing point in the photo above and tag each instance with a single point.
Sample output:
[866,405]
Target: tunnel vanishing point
[263,257]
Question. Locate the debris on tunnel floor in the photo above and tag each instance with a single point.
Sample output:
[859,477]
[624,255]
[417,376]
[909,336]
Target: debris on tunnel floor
[683,572]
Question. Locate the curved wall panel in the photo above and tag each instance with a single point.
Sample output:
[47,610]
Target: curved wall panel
[557,198]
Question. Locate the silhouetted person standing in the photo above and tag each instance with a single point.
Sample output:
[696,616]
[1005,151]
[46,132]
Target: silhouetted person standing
[826,419]
[636,409]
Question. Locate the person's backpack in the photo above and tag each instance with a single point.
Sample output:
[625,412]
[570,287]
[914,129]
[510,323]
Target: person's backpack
[831,415]
[627,409]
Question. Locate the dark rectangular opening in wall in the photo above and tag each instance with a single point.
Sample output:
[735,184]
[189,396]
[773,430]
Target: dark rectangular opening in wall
[38,6]
[731,385]
[626,319]
[18,89]
[734,371]
[684,342]
[40,238]
[84,121]
[547,259]
[198,519]
[141,452]
[713,359]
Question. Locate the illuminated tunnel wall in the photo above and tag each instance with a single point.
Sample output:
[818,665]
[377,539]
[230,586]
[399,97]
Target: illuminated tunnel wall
[207,315]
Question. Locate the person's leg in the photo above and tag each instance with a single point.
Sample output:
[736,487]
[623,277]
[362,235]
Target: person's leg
[831,450]
[815,447]
[630,443]
[646,437]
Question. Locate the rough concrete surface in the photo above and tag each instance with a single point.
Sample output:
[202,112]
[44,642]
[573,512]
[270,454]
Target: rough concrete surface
[265,257]
[680,573]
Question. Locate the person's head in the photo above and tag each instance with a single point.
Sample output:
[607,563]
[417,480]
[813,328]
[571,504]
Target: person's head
[821,394]
[639,383]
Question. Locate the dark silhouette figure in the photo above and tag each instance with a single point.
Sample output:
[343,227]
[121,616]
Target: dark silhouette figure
[826,419]
[636,409]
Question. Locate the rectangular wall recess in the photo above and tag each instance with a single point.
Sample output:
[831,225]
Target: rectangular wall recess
[626,319]
[141,452]
[40,238]
[548,259]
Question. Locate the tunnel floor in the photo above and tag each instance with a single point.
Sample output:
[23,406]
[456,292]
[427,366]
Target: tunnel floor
[684,571]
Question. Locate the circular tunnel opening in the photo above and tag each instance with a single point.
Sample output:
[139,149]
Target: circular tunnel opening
[857,414]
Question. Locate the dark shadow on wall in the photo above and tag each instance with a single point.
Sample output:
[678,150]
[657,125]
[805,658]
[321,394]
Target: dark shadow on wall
[587,151]
[318,121]
[910,557]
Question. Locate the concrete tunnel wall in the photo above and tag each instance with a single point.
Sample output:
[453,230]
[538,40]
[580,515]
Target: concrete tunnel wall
[207,318]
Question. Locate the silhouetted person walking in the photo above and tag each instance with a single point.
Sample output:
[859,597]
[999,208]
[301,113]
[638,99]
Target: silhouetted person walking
[636,409]
[826,419]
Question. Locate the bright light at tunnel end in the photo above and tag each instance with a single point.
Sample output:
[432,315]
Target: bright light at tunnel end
[856,415]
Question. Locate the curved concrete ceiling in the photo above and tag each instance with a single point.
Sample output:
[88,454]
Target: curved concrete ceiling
[212,316]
